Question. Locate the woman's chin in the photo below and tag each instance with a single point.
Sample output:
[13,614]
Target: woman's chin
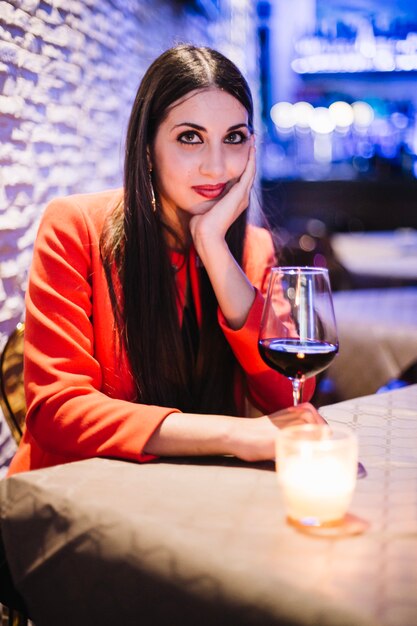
[202,207]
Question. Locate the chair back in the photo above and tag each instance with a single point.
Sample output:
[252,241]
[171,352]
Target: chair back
[12,394]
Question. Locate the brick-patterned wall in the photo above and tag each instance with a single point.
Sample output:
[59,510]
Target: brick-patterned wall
[69,70]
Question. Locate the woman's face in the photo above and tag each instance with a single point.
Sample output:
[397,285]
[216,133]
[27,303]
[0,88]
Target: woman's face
[200,150]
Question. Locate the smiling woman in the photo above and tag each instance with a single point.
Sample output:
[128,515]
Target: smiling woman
[201,149]
[143,304]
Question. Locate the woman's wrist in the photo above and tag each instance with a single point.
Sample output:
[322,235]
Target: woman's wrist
[252,439]
[208,244]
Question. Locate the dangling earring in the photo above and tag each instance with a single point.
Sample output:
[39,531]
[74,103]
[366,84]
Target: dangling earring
[153,198]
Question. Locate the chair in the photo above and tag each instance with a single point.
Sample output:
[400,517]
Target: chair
[407,377]
[12,401]
[12,396]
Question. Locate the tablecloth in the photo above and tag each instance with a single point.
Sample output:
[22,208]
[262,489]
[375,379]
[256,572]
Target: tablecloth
[205,541]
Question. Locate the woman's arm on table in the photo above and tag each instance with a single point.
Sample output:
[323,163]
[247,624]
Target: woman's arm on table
[250,439]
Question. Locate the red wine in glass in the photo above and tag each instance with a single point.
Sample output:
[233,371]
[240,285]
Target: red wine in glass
[298,335]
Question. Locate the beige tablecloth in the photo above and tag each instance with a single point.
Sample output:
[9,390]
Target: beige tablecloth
[378,338]
[205,542]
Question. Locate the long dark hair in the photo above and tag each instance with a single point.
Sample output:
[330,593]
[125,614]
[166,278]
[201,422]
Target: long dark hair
[134,244]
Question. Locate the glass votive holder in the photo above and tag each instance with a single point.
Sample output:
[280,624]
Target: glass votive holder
[317,469]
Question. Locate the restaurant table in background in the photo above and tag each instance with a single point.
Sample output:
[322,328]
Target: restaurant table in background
[378,338]
[385,255]
[204,541]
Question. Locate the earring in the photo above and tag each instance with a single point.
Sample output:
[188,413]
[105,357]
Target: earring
[153,198]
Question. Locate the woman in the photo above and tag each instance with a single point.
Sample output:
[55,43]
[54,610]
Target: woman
[143,305]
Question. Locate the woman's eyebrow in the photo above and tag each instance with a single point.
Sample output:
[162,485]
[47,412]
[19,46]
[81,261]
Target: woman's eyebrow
[236,126]
[191,125]
[198,127]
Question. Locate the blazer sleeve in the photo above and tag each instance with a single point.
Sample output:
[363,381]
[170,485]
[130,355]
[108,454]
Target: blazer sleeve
[68,414]
[268,390]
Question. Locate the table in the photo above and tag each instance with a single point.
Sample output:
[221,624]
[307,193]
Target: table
[379,254]
[204,541]
[378,338]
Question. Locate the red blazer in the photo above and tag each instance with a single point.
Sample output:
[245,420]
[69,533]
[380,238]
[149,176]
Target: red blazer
[79,393]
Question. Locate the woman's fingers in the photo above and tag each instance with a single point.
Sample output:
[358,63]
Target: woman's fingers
[304,413]
[248,174]
[255,439]
[244,185]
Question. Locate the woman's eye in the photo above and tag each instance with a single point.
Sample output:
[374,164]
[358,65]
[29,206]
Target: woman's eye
[236,138]
[189,137]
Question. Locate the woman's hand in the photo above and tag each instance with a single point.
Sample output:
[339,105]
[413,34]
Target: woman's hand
[255,439]
[233,290]
[218,219]
[304,413]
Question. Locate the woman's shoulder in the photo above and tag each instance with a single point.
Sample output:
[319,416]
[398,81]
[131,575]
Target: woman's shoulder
[90,209]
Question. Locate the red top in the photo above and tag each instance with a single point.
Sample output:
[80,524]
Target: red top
[79,392]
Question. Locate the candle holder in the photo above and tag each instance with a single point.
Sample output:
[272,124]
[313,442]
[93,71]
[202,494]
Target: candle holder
[317,469]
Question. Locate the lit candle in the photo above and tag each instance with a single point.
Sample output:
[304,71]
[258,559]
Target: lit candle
[317,472]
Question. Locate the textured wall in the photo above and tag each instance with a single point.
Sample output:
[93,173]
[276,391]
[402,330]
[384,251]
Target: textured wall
[69,70]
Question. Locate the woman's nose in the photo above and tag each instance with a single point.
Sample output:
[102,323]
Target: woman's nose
[212,162]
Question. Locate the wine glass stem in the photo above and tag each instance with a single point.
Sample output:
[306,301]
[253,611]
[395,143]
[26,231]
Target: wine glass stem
[297,385]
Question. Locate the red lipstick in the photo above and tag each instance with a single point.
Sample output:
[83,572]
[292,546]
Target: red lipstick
[210,191]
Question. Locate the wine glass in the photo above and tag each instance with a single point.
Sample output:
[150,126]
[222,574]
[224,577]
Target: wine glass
[298,335]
